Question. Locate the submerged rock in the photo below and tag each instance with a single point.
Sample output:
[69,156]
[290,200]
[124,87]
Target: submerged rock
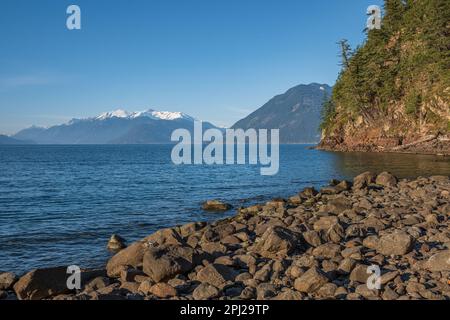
[216,205]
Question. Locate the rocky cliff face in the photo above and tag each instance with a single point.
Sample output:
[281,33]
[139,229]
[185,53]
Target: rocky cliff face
[394,131]
[393,93]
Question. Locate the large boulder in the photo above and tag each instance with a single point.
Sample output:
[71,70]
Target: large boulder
[396,243]
[205,291]
[439,262]
[360,273]
[131,256]
[163,290]
[327,250]
[338,204]
[311,281]
[386,179]
[42,283]
[164,236]
[216,274]
[312,238]
[165,262]
[363,180]
[325,223]
[278,242]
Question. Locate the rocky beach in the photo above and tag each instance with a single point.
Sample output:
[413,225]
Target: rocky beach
[317,244]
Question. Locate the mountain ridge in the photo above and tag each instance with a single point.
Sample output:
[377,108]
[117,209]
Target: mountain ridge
[297,113]
[7,140]
[114,127]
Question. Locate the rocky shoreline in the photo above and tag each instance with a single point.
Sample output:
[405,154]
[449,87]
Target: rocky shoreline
[428,145]
[314,245]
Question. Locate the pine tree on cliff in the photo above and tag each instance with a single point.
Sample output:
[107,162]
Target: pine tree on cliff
[397,83]
[394,10]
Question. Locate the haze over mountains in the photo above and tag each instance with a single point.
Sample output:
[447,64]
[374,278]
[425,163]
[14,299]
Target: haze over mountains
[297,113]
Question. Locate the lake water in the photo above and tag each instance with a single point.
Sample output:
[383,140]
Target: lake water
[60,204]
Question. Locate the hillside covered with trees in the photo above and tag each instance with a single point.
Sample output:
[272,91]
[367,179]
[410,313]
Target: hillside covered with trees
[393,93]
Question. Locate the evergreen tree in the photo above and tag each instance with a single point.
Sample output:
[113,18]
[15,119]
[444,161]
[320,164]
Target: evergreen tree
[394,10]
[404,65]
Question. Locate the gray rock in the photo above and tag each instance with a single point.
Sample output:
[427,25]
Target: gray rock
[439,262]
[360,274]
[216,274]
[165,262]
[205,291]
[248,293]
[42,283]
[312,238]
[266,291]
[289,295]
[131,256]
[327,250]
[365,292]
[311,281]
[328,290]
[346,266]
[97,283]
[278,242]
[216,205]
[7,280]
[395,243]
[116,243]
[163,290]
[386,179]
[363,180]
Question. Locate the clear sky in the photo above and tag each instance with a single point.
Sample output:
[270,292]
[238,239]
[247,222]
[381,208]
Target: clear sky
[217,60]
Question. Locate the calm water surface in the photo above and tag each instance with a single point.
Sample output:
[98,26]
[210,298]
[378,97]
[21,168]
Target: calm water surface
[60,204]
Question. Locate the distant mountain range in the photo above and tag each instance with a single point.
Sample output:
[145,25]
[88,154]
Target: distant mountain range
[8,140]
[297,113]
[116,127]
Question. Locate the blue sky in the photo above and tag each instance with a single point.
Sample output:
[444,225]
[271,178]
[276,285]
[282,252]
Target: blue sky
[217,60]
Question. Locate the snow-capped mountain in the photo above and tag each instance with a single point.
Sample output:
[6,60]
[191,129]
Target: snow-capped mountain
[114,127]
[157,115]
